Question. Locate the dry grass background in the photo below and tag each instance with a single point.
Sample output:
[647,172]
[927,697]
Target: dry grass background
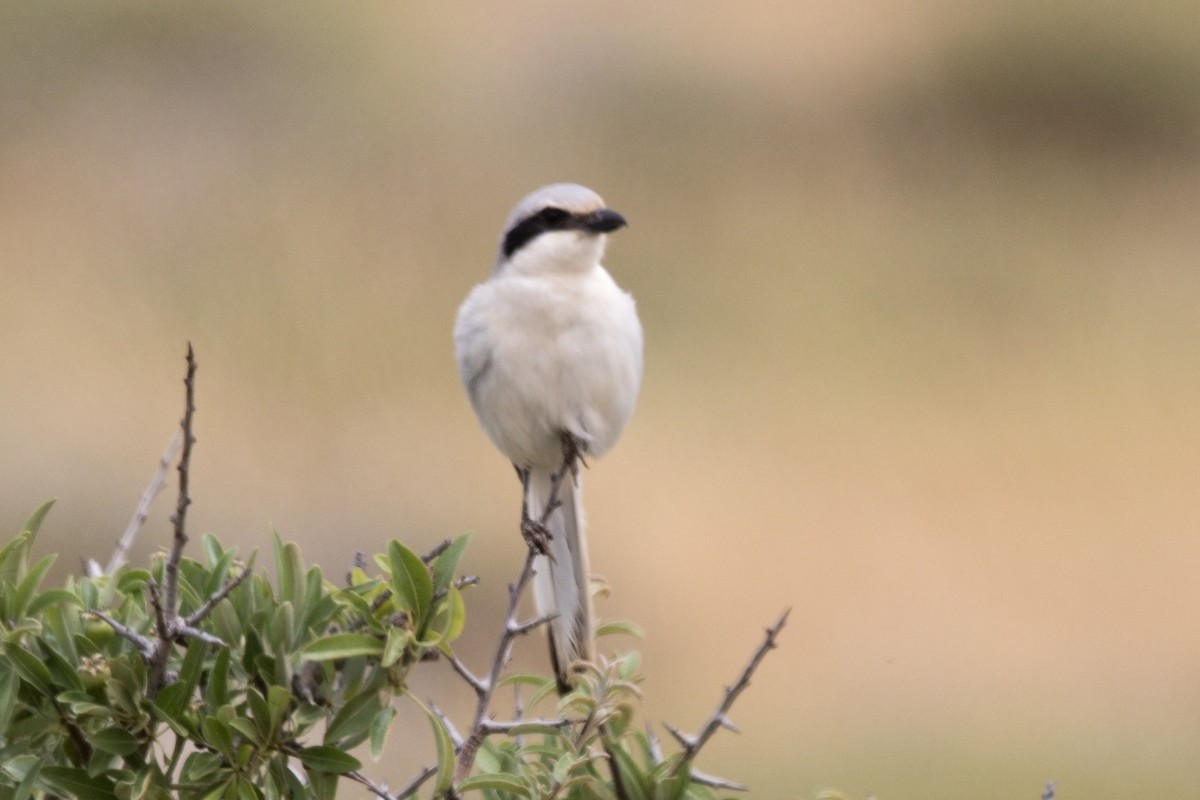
[921,296]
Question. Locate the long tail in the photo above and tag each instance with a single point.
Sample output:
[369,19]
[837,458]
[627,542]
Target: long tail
[560,583]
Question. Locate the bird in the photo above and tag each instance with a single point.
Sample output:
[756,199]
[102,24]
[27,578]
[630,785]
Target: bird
[550,352]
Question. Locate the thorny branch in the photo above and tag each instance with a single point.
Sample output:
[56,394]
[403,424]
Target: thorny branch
[485,686]
[692,744]
[179,519]
[169,627]
[159,482]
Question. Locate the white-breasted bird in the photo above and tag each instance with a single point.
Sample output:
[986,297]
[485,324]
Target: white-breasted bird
[550,352]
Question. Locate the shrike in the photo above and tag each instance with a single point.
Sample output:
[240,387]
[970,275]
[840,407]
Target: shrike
[550,352]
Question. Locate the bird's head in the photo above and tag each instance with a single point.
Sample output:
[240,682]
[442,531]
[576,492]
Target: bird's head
[558,228]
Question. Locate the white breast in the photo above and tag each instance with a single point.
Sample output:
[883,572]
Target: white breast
[540,354]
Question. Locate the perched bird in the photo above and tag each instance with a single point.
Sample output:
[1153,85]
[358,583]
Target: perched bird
[550,352]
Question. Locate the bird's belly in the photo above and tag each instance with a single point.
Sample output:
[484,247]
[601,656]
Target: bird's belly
[585,384]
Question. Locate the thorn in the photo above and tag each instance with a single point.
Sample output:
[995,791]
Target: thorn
[726,723]
[713,782]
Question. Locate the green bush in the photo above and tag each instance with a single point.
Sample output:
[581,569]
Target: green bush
[278,684]
[202,678]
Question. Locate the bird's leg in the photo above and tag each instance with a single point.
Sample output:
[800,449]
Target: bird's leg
[535,532]
[573,449]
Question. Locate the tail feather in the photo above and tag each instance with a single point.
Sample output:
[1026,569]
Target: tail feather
[561,581]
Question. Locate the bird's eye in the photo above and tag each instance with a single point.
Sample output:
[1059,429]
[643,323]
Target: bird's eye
[553,216]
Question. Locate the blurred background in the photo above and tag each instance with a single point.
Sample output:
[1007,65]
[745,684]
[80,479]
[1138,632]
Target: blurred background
[920,290]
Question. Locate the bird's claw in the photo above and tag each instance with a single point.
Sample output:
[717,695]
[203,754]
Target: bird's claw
[573,449]
[536,535]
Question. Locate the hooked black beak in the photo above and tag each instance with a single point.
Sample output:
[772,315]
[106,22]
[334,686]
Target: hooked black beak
[603,221]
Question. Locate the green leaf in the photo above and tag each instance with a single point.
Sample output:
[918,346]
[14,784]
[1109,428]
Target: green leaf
[28,587]
[247,790]
[525,679]
[323,758]
[9,683]
[314,590]
[201,768]
[625,627]
[249,730]
[218,735]
[31,668]
[445,754]
[380,726]
[353,721]
[82,704]
[218,573]
[635,781]
[448,620]
[52,597]
[279,700]
[114,740]
[352,600]
[562,768]
[279,631]
[193,666]
[139,786]
[496,782]
[171,700]
[221,790]
[411,584]
[672,787]
[77,783]
[25,788]
[547,688]
[321,785]
[13,557]
[342,645]
[62,673]
[217,691]
[447,563]
[394,646]
[290,570]
[34,523]
[627,667]
[133,580]
[260,713]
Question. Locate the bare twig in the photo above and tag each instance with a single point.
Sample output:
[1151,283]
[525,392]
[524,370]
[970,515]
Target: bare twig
[124,631]
[188,632]
[159,482]
[466,674]
[379,790]
[204,610]
[160,615]
[492,726]
[455,736]
[692,744]
[522,628]
[411,787]
[655,746]
[437,551]
[179,519]
[485,686]
[460,582]
[169,625]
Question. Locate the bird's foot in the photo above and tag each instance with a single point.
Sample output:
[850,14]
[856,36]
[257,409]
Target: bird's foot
[537,536]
